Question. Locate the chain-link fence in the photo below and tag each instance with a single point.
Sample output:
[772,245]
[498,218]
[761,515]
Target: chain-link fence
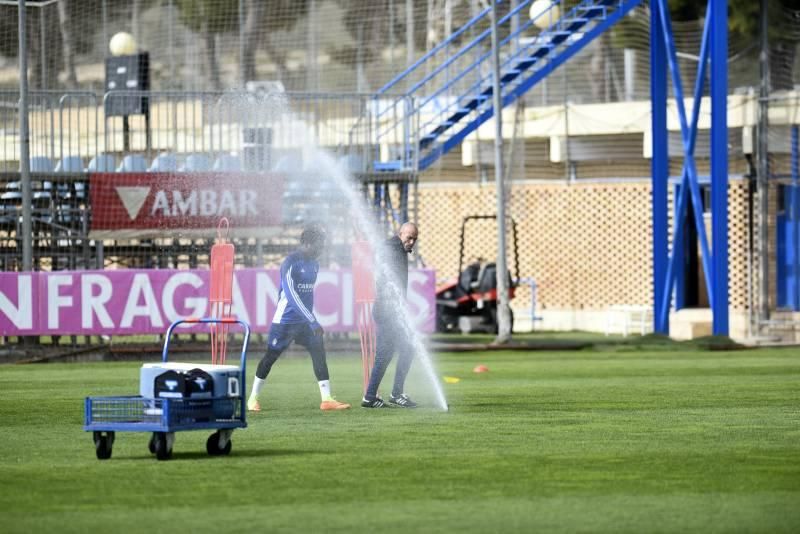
[228,139]
[342,45]
[576,147]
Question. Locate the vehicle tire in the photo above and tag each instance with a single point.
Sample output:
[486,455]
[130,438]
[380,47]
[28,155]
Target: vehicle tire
[445,320]
[151,445]
[212,444]
[213,448]
[103,445]
[162,452]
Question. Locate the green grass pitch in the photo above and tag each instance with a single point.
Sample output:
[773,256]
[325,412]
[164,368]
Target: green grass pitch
[629,440]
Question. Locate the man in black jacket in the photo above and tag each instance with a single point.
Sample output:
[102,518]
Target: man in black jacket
[390,335]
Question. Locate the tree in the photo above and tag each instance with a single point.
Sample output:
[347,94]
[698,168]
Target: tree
[254,10]
[744,19]
[369,24]
[262,19]
[210,18]
[743,23]
[67,47]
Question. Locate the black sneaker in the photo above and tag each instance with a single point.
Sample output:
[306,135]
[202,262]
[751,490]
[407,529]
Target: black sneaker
[377,402]
[403,401]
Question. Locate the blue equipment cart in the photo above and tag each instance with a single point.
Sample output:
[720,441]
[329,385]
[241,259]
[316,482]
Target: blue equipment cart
[104,416]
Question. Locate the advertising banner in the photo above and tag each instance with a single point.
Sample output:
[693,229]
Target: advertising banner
[146,301]
[155,203]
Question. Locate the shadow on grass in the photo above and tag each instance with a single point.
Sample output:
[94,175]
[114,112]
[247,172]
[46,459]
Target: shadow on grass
[242,453]
[559,341]
[658,342]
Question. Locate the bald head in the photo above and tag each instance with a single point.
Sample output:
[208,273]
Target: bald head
[408,235]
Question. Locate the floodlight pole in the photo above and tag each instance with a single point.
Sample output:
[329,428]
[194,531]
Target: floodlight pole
[503,311]
[241,15]
[762,180]
[24,145]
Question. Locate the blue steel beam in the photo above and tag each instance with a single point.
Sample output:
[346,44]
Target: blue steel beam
[715,46]
[719,162]
[689,174]
[660,167]
[524,86]
[689,163]
[793,243]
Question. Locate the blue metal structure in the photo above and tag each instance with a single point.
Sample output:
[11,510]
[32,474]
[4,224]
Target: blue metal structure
[448,94]
[788,234]
[663,56]
[449,90]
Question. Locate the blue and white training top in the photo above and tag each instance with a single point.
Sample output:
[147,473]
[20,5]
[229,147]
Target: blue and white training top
[296,298]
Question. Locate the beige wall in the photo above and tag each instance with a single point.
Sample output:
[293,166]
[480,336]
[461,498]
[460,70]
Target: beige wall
[587,245]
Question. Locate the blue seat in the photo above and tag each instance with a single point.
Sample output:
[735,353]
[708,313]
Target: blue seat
[102,163]
[228,163]
[132,163]
[41,164]
[42,194]
[294,190]
[79,190]
[70,164]
[353,163]
[10,202]
[165,162]
[289,163]
[11,198]
[304,213]
[196,163]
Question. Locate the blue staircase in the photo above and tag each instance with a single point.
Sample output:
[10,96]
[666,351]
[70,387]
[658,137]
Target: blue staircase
[444,96]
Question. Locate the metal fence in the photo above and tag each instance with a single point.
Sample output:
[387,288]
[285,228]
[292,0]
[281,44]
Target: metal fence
[84,125]
[76,133]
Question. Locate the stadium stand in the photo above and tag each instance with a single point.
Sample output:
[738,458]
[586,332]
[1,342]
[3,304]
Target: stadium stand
[70,164]
[41,164]
[165,162]
[227,163]
[352,162]
[132,163]
[102,163]
[196,163]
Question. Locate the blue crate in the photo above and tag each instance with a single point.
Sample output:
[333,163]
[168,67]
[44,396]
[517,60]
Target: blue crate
[104,416]
[134,413]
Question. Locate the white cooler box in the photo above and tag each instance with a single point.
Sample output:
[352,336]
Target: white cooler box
[226,377]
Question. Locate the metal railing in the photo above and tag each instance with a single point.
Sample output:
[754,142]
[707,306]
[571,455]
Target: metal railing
[76,133]
[452,83]
[82,126]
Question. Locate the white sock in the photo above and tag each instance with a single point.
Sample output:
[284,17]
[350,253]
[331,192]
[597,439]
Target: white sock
[258,383]
[325,389]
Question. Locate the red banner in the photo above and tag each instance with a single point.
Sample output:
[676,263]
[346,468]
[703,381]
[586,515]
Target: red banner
[153,202]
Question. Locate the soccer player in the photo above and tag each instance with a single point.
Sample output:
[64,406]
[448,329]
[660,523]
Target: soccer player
[389,335]
[294,319]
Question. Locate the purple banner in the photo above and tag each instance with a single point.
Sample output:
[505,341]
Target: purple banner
[146,301]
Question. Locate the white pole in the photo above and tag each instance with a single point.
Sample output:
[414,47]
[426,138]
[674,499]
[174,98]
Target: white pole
[241,43]
[503,311]
[24,146]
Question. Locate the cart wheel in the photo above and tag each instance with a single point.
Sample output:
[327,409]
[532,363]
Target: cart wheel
[103,444]
[213,448]
[161,446]
[151,445]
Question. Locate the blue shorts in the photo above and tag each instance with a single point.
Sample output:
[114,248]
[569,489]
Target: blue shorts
[282,335]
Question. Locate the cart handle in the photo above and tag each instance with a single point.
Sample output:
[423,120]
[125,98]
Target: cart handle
[214,320]
[209,320]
